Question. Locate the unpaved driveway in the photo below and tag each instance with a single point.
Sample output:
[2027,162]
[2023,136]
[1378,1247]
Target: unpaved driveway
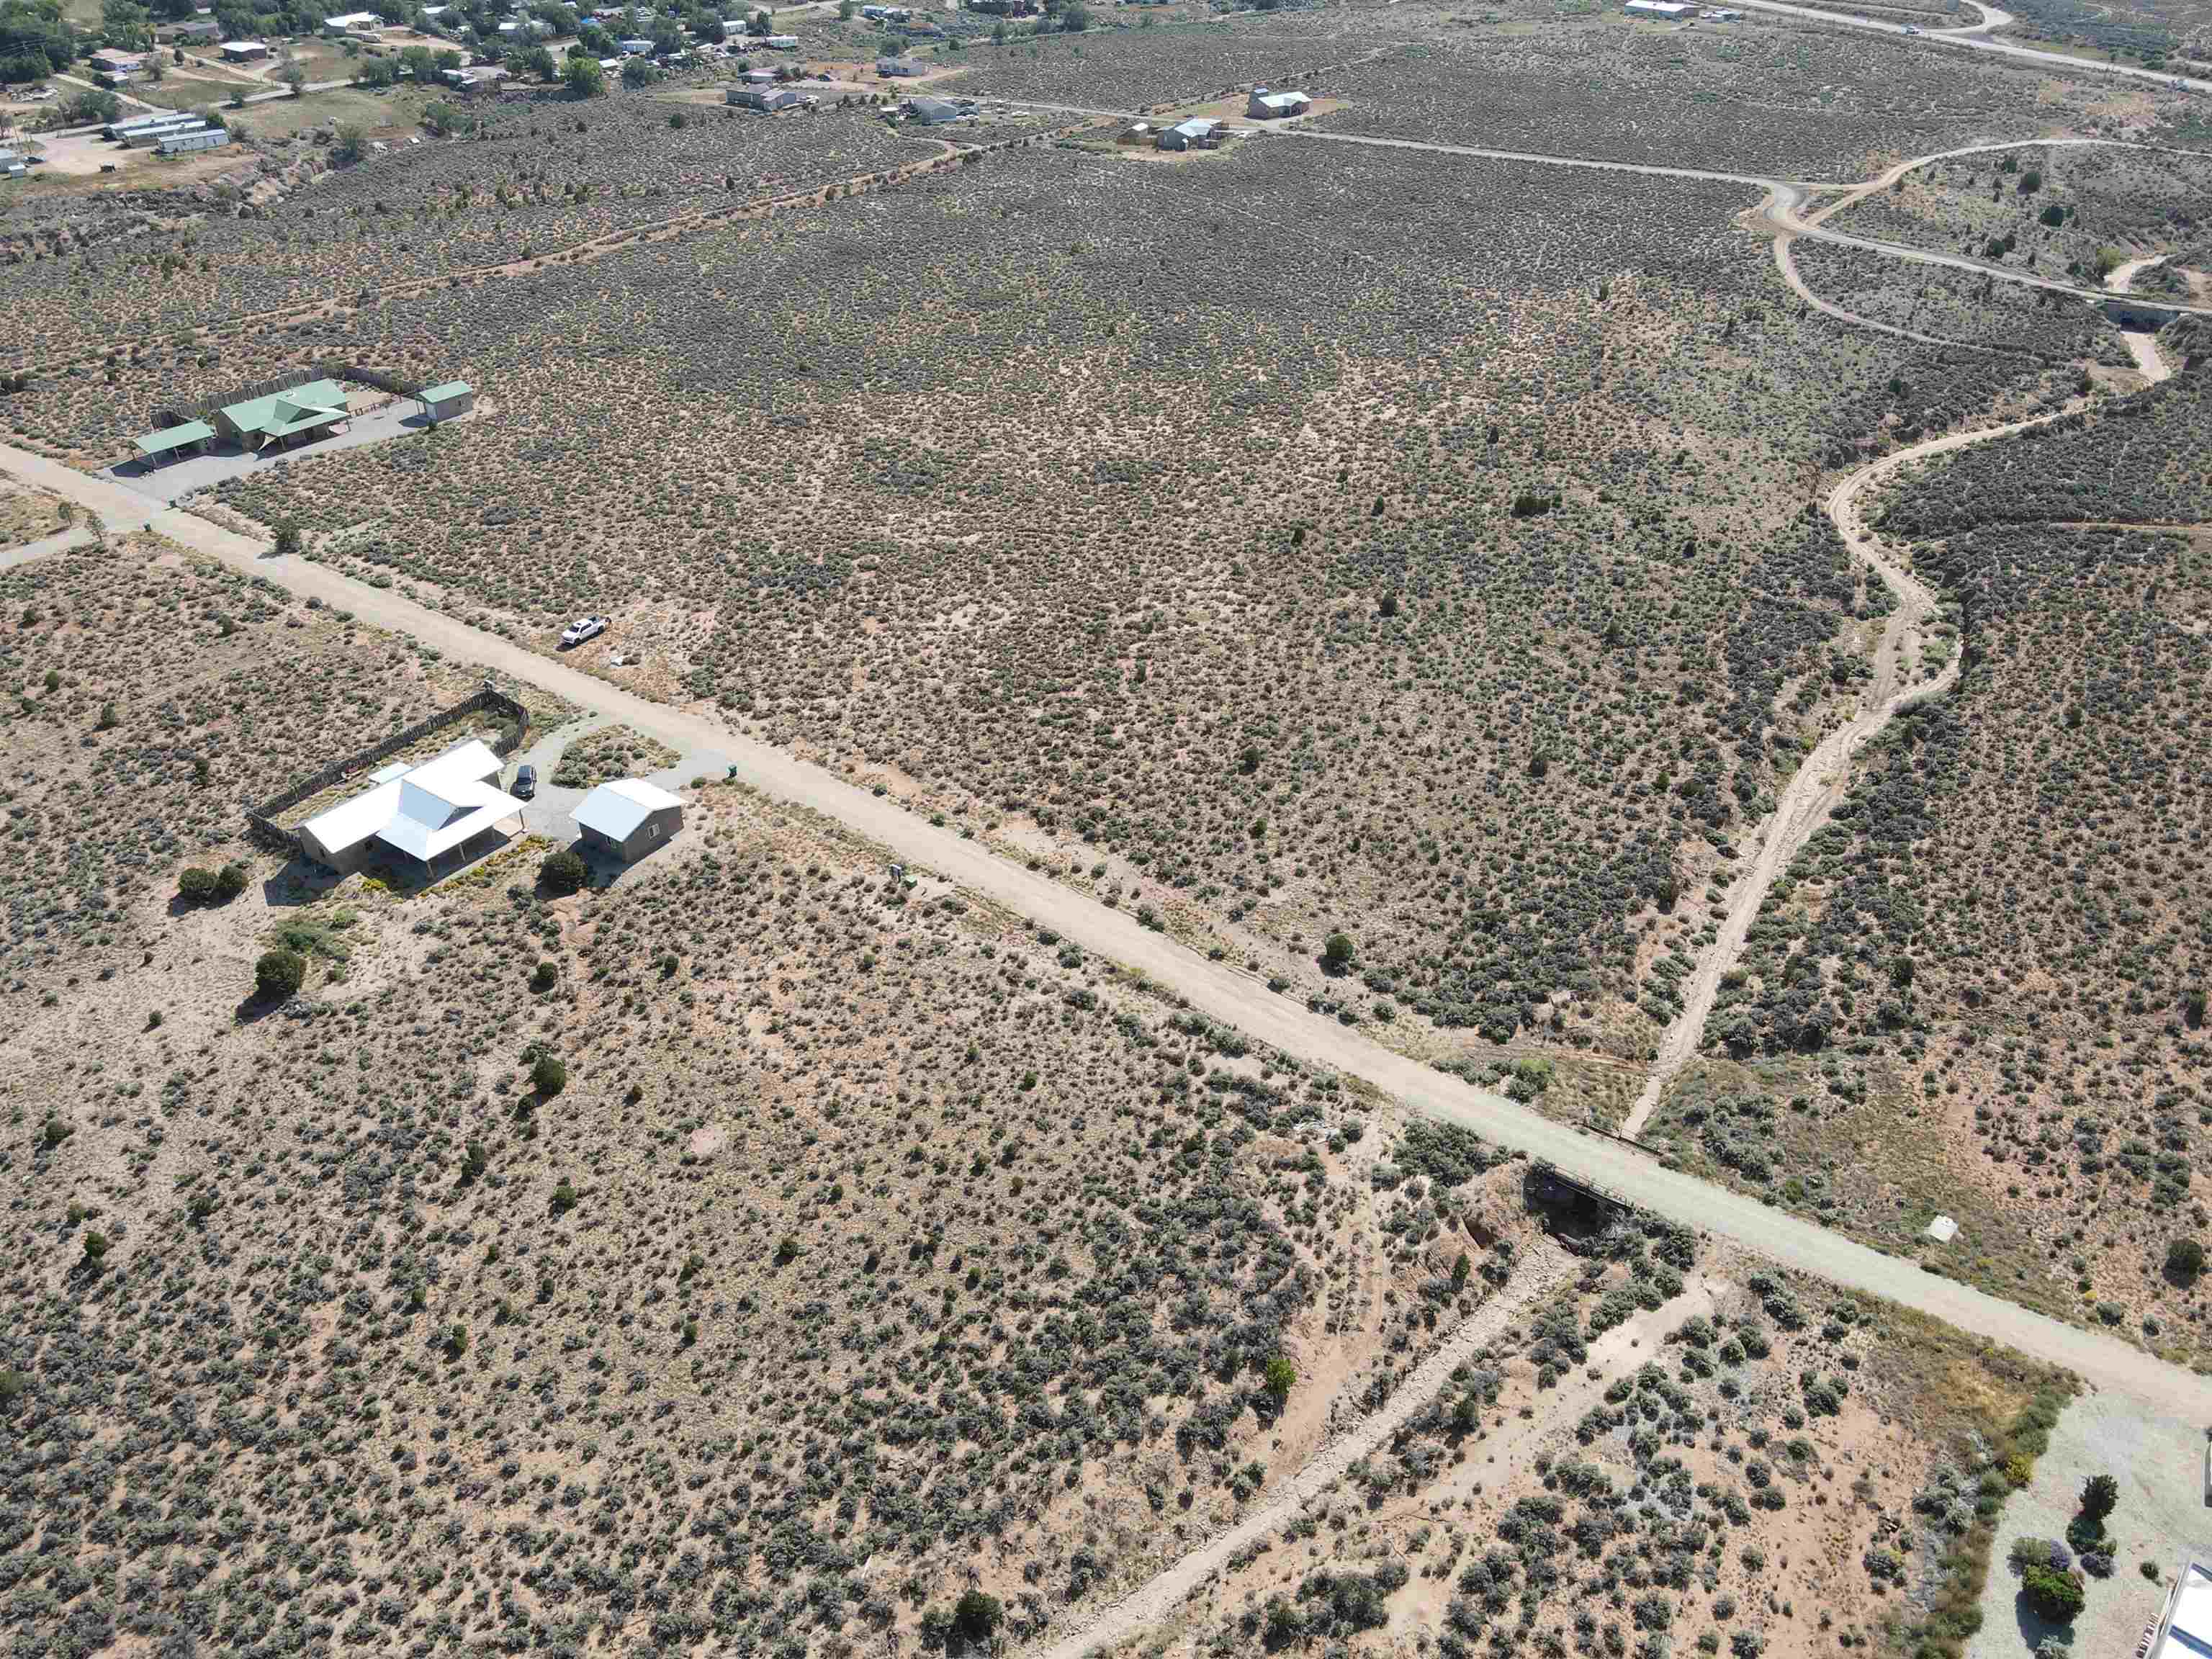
[1220,991]
[1543,1269]
[1819,786]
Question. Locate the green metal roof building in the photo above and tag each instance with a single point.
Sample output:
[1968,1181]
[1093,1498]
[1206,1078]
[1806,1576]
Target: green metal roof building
[259,422]
[448,398]
[174,440]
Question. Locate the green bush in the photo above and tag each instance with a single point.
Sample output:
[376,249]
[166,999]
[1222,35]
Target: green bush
[562,871]
[544,976]
[549,1076]
[279,974]
[2055,1595]
[1279,1377]
[2185,1259]
[1337,952]
[2100,1495]
[195,885]
[564,1197]
[230,881]
[95,1250]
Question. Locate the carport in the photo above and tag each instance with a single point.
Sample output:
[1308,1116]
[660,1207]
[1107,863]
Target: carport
[172,441]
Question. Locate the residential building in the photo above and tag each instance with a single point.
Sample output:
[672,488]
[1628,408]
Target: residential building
[12,166]
[187,139]
[898,66]
[937,112]
[346,21]
[425,818]
[1662,11]
[769,98]
[243,52]
[117,66]
[627,818]
[1198,133]
[1266,105]
[633,47]
[2184,1629]
[304,412]
[199,29]
[780,42]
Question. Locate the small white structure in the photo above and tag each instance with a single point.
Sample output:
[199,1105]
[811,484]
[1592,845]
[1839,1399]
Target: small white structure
[346,21]
[1266,105]
[1662,11]
[780,42]
[1942,1230]
[627,818]
[429,814]
[243,52]
[186,140]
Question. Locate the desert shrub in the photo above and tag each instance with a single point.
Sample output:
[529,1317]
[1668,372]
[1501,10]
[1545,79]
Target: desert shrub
[230,881]
[279,974]
[563,871]
[195,885]
[548,1075]
[2185,1259]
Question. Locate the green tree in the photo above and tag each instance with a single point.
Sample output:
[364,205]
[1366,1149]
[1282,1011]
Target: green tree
[195,885]
[442,119]
[549,1076]
[537,61]
[287,530]
[1279,1377]
[2184,1260]
[975,1617]
[636,72]
[296,80]
[584,77]
[230,881]
[2100,1496]
[95,1250]
[279,974]
[563,871]
[124,25]
[348,148]
[1337,952]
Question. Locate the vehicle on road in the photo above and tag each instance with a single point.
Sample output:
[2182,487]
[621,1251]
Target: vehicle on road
[1912,29]
[525,782]
[584,627]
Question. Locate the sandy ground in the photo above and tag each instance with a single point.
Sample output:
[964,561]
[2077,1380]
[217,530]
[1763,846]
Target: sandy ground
[2159,1461]
[1544,1268]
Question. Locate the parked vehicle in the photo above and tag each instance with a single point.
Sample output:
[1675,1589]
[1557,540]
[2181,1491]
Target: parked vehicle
[584,627]
[525,782]
[1912,29]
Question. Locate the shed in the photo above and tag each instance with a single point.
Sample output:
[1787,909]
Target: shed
[243,52]
[936,112]
[627,818]
[1266,105]
[898,66]
[447,398]
[1665,11]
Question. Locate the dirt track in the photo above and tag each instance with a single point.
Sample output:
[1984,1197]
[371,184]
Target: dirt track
[1218,990]
[1137,1610]
[1820,784]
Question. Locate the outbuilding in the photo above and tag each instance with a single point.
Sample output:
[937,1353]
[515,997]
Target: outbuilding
[346,21]
[1194,134]
[447,398]
[937,112]
[187,139]
[628,817]
[1662,11]
[243,52]
[898,66]
[174,441]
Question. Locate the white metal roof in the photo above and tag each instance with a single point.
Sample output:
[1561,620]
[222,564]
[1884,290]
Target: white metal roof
[615,809]
[421,811]
[2189,1626]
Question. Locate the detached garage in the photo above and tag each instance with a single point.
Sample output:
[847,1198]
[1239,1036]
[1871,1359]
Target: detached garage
[627,818]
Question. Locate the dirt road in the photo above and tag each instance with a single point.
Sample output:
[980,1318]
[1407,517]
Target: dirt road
[1820,784]
[1218,990]
[1135,1611]
[1976,38]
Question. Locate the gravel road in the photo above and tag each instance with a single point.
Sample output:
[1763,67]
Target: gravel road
[1219,990]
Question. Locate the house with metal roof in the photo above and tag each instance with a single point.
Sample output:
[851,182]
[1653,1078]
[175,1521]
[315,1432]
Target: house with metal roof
[186,140]
[937,112]
[2184,1629]
[1198,133]
[282,418]
[628,817]
[898,66]
[1266,105]
[429,815]
[243,52]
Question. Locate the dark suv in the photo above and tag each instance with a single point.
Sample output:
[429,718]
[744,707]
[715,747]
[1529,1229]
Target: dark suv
[525,782]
